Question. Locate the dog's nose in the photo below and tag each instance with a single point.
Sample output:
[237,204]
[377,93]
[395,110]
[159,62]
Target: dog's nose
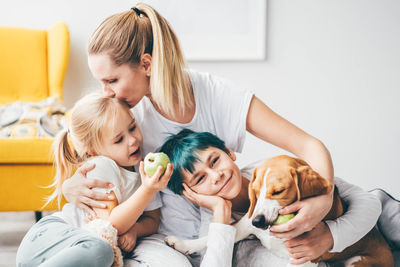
[259,221]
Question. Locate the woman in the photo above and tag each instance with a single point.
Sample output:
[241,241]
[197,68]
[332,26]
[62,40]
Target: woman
[136,55]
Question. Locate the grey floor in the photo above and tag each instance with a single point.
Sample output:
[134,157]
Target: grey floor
[13,226]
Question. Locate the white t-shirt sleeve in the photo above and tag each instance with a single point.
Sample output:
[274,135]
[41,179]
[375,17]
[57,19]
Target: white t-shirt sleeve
[106,170]
[361,216]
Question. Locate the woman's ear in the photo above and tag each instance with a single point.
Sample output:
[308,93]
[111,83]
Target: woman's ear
[145,61]
[231,154]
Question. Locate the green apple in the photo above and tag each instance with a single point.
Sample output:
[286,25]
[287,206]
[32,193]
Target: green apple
[282,218]
[153,160]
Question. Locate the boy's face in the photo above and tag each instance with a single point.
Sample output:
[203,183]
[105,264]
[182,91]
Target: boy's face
[123,142]
[215,174]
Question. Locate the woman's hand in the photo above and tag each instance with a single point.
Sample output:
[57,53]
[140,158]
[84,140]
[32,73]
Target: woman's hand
[310,245]
[156,182]
[310,212]
[221,207]
[127,241]
[77,190]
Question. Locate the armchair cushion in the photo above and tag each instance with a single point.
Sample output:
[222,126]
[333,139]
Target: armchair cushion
[25,150]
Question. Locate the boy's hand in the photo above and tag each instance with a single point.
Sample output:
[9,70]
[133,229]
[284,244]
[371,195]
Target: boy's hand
[156,182]
[127,241]
[220,207]
[310,212]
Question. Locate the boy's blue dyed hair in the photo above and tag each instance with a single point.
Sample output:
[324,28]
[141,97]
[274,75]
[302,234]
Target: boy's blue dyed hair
[182,150]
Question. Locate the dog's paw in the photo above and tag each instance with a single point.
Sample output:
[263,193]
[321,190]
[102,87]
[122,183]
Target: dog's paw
[177,244]
[171,240]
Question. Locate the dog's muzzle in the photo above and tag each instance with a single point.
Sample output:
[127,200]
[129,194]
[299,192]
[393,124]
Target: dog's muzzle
[260,222]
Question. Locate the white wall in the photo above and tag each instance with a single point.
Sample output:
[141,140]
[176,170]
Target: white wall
[332,68]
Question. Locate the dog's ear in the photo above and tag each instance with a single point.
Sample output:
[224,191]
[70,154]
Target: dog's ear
[309,183]
[252,194]
[255,185]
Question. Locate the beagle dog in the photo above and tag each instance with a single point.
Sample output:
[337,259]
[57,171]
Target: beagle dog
[276,183]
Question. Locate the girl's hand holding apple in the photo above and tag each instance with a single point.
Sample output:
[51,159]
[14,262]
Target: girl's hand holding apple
[155,171]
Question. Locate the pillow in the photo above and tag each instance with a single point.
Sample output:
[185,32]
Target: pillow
[29,119]
[389,221]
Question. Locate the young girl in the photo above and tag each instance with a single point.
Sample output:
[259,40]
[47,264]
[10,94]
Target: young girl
[104,132]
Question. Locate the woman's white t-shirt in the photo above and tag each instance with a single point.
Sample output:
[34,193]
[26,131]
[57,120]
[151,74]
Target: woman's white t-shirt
[221,108]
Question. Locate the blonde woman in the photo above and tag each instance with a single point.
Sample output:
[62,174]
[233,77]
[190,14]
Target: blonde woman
[136,56]
[102,132]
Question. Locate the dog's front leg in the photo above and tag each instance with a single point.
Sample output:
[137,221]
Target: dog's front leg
[187,246]
[307,264]
[244,228]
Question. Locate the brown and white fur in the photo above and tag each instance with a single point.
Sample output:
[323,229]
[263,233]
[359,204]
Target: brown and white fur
[278,182]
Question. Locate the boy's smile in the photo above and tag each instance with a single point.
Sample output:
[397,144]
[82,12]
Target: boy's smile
[214,174]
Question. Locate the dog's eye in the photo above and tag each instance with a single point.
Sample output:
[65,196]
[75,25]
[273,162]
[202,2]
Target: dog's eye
[278,192]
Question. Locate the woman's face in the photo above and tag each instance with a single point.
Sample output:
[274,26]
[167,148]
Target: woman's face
[124,82]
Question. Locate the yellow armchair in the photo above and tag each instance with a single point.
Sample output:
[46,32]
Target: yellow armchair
[33,64]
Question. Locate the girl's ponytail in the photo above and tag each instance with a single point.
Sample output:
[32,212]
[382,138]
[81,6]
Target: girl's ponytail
[65,159]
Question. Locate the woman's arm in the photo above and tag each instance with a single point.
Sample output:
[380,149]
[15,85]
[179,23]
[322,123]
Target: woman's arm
[361,216]
[269,126]
[77,190]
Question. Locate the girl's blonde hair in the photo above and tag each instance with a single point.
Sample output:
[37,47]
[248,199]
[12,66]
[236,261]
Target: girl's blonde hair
[126,36]
[72,147]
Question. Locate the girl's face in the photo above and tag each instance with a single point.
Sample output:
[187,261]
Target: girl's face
[123,141]
[124,82]
[215,174]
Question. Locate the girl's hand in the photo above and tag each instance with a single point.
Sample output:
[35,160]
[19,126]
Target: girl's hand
[77,190]
[221,207]
[310,212]
[156,182]
[127,241]
[310,245]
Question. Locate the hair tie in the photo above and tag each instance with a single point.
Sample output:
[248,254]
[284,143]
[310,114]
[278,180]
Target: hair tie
[138,12]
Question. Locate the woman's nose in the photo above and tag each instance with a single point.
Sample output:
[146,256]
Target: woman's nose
[109,92]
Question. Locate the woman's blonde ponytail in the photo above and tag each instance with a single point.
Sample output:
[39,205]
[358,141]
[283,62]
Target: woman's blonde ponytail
[126,36]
